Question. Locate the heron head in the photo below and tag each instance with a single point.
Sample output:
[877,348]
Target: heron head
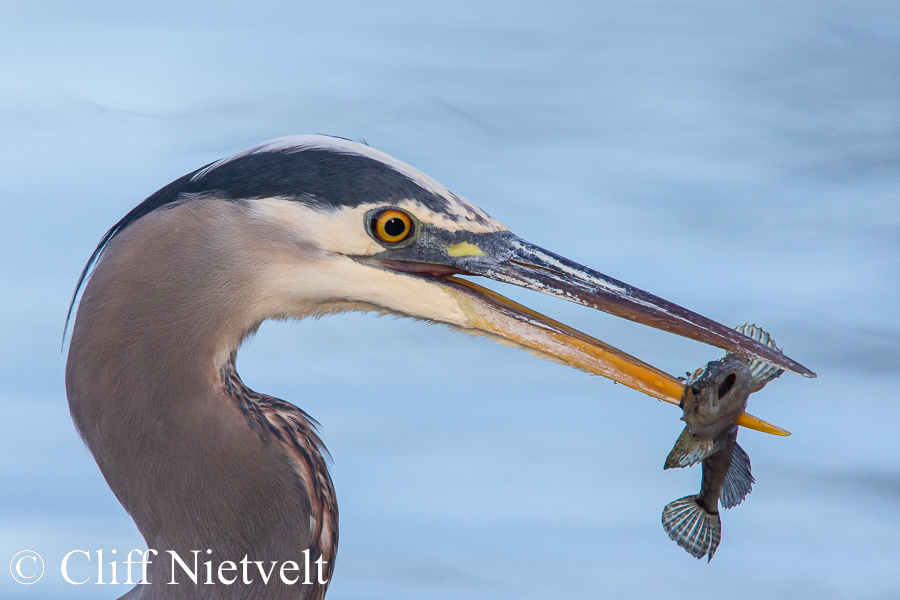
[380,235]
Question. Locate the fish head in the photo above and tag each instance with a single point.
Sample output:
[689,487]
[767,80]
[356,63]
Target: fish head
[715,395]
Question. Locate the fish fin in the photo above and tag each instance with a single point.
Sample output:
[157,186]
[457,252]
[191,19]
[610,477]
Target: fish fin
[692,527]
[689,450]
[739,480]
[762,372]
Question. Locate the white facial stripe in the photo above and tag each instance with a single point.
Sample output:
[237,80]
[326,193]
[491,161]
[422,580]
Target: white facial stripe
[442,221]
[461,214]
[311,287]
[343,231]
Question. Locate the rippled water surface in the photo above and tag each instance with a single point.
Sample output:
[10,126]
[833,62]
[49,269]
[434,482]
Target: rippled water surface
[742,162]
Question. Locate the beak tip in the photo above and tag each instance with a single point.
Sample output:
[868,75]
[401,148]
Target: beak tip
[747,420]
[801,370]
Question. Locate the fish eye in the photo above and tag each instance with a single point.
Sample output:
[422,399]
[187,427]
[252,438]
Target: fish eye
[726,385]
[695,389]
[391,226]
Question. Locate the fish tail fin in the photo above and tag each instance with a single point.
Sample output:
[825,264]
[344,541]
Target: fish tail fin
[762,372]
[739,480]
[692,527]
[689,450]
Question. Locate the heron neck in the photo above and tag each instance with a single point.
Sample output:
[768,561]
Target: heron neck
[163,314]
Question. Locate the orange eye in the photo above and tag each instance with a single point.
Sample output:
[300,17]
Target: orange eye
[392,226]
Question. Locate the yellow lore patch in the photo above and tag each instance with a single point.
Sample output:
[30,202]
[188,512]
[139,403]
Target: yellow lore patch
[464,249]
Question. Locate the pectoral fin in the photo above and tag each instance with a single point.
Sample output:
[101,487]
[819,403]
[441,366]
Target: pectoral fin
[689,450]
[738,481]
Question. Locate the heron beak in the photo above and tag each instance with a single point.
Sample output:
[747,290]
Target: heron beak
[491,313]
[507,258]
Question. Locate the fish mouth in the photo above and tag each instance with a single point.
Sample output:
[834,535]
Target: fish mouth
[489,312]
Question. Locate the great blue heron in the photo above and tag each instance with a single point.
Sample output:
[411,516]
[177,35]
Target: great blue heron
[300,226]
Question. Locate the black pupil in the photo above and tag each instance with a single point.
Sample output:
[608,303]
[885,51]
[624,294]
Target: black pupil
[394,227]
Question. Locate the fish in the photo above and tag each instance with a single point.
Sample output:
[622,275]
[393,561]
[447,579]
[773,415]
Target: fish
[714,396]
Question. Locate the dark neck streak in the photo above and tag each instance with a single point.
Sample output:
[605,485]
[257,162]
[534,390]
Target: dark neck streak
[295,434]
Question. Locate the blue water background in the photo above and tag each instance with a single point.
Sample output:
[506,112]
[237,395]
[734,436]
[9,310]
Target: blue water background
[741,159]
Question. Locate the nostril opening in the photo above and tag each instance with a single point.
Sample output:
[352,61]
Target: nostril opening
[726,385]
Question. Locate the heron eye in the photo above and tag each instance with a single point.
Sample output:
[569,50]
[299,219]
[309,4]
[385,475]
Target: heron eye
[392,226]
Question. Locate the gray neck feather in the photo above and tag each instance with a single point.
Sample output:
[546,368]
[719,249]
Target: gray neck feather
[164,311]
